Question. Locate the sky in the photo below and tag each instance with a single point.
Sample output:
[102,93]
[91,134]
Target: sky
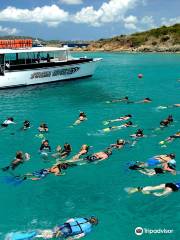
[84,19]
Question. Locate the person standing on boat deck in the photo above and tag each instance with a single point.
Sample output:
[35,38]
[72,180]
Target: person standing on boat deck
[48,57]
[38,57]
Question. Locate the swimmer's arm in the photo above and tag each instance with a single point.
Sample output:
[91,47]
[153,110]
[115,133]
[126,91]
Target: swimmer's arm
[165,193]
[166,168]
[116,120]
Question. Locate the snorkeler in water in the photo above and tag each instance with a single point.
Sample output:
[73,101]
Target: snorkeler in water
[120,143]
[170,106]
[67,149]
[19,159]
[26,125]
[123,118]
[173,137]
[145,100]
[124,100]
[95,157]
[84,150]
[45,146]
[164,168]
[166,122]
[170,139]
[82,117]
[154,161]
[55,169]
[138,134]
[159,190]
[7,122]
[43,127]
[73,228]
[99,156]
[114,128]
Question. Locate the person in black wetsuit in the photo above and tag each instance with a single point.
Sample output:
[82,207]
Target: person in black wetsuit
[45,146]
[26,125]
[166,122]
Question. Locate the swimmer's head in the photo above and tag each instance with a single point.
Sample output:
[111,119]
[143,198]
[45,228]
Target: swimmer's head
[63,166]
[139,132]
[67,146]
[147,99]
[11,119]
[120,142]
[128,115]
[126,98]
[43,125]
[171,155]
[93,220]
[82,114]
[129,123]
[19,154]
[170,118]
[26,121]
[45,142]
[85,147]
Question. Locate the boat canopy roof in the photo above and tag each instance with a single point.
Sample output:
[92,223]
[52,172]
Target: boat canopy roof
[33,49]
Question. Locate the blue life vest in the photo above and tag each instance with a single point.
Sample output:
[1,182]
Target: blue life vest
[178,185]
[41,173]
[22,235]
[80,225]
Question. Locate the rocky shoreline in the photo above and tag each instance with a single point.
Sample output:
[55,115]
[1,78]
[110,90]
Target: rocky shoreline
[143,48]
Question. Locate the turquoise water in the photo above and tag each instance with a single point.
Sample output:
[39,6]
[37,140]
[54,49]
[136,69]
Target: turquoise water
[94,189]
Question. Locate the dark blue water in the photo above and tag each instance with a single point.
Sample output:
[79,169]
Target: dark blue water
[94,189]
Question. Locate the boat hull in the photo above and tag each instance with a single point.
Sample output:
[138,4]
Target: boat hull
[15,78]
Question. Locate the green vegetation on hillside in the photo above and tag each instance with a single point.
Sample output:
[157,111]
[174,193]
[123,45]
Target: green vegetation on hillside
[157,36]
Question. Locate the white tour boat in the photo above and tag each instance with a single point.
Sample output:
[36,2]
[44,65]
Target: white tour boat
[35,65]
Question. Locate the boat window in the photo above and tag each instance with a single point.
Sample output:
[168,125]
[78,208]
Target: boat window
[60,55]
[30,57]
[21,58]
[10,58]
